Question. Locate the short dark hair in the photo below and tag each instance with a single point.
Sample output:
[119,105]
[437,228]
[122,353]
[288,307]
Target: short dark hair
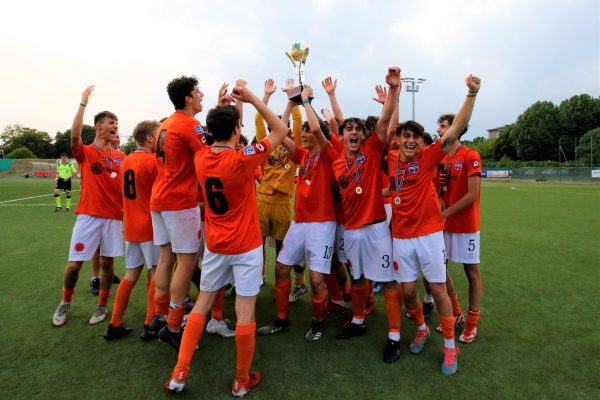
[358,123]
[102,115]
[179,88]
[144,129]
[324,126]
[450,119]
[411,126]
[427,139]
[221,121]
[243,140]
[64,155]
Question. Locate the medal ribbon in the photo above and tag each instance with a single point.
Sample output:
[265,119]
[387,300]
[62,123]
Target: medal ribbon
[356,176]
[307,168]
[107,161]
[398,187]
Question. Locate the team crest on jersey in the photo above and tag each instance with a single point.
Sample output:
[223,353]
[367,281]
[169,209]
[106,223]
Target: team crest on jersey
[360,158]
[249,150]
[118,160]
[413,167]
[199,129]
[458,166]
[96,168]
[475,164]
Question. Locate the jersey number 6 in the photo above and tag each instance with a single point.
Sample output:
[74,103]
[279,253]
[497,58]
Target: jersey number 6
[214,194]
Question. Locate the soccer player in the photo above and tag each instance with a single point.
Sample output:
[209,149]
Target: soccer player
[311,236]
[417,225]
[99,209]
[64,172]
[276,188]
[174,207]
[139,173]
[233,236]
[367,239]
[461,215]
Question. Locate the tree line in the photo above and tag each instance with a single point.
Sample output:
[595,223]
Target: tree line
[544,132]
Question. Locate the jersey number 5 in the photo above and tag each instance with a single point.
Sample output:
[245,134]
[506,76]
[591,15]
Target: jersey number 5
[215,197]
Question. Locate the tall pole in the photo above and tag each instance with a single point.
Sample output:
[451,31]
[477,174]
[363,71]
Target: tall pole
[412,86]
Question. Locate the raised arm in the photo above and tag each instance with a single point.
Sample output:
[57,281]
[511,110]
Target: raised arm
[259,123]
[270,88]
[464,114]
[313,120]
[329,84]
[333,125]
[238,104]
[77,126]
[279,130]
[393,80]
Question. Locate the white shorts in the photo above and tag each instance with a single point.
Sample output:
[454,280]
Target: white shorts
[140,253]
[202,249]
[311,243]
[462,247]
[89,232]
[423,254]
[180,228]
[369,251]
[339,248]
[388,213]
[243,270]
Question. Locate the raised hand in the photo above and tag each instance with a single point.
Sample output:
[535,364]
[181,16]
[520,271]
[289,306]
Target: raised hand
[307,92]
[393,77]
[381,94]
[326,114]
[270,86]
[85,96]
[224,98]
[329,84]
[243,93]
[473,83]
[289,84]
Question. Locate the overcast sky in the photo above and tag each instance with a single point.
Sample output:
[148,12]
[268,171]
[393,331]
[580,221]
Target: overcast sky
[524,51]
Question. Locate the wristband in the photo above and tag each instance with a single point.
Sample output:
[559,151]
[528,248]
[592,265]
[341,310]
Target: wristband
[82,105]
[305,101]
[472,94]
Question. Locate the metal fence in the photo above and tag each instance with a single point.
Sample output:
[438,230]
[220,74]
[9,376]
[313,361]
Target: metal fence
[557,174]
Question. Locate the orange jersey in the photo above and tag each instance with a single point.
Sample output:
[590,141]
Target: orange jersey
[385,183]
[464,164]
[415,207]
[227,181]
[139,173]
[337,195]
[201,204]
[101,172]
[359,179]
[314,198]
[278,172]
[181,136]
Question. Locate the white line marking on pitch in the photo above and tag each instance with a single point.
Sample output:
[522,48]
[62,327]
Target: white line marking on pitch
[32,197]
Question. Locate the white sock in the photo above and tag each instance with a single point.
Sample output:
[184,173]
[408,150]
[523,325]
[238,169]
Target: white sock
[428,298]
[357,321]
[422,327]
[449,343]
[339,302]
[395,336]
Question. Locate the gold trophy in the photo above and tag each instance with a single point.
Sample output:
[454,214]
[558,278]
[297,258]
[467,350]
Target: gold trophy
[298,53]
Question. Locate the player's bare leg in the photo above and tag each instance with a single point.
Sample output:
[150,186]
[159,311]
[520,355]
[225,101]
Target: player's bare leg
[475,293]
[96,268]
[162,279]
[70,276]
[457,313]
[106,280]
[318,296]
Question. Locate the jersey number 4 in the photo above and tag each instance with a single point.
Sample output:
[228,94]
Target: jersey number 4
[215,197]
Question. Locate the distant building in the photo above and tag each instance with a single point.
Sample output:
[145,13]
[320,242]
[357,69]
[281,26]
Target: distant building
[494,132]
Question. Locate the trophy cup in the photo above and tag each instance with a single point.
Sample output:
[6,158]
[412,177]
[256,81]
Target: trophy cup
[298,53]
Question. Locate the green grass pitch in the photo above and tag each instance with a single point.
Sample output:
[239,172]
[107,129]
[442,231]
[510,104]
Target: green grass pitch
[538,337]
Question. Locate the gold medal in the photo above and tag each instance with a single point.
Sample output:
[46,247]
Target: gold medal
[307,182]
[397,201]
[358,190]
[113,174]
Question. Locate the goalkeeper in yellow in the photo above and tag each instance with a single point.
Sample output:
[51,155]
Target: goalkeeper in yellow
[64,172]
[274,194]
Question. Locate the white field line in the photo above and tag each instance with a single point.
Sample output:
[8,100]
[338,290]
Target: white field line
[541,190]
[31,197]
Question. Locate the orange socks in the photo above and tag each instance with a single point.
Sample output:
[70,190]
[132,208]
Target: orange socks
[318,303]
[103,296]
[217,309]
[245,344]
[360,294]
[417,315]
[150,306]
[67,295]
[161,304]
[456,310]
[283,288]
[472,318]
[121,301]
[175,317]
[191,336]
[393,306]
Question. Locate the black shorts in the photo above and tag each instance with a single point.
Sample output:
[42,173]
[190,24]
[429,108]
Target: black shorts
[61,184]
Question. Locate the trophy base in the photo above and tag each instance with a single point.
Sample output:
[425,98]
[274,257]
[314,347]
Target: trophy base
[295,94]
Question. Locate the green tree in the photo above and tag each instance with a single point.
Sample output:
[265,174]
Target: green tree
[589,146]
[505,147]
[537,131]
[578,115]
[38,142]
[20,152]
[62,140]
[129,146]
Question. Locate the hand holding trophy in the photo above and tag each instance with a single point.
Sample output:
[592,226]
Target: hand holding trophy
[298,53]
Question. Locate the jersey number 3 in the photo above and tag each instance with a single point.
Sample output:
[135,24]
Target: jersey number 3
[215,197]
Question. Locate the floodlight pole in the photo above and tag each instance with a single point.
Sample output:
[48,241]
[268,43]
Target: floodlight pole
[412,86]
